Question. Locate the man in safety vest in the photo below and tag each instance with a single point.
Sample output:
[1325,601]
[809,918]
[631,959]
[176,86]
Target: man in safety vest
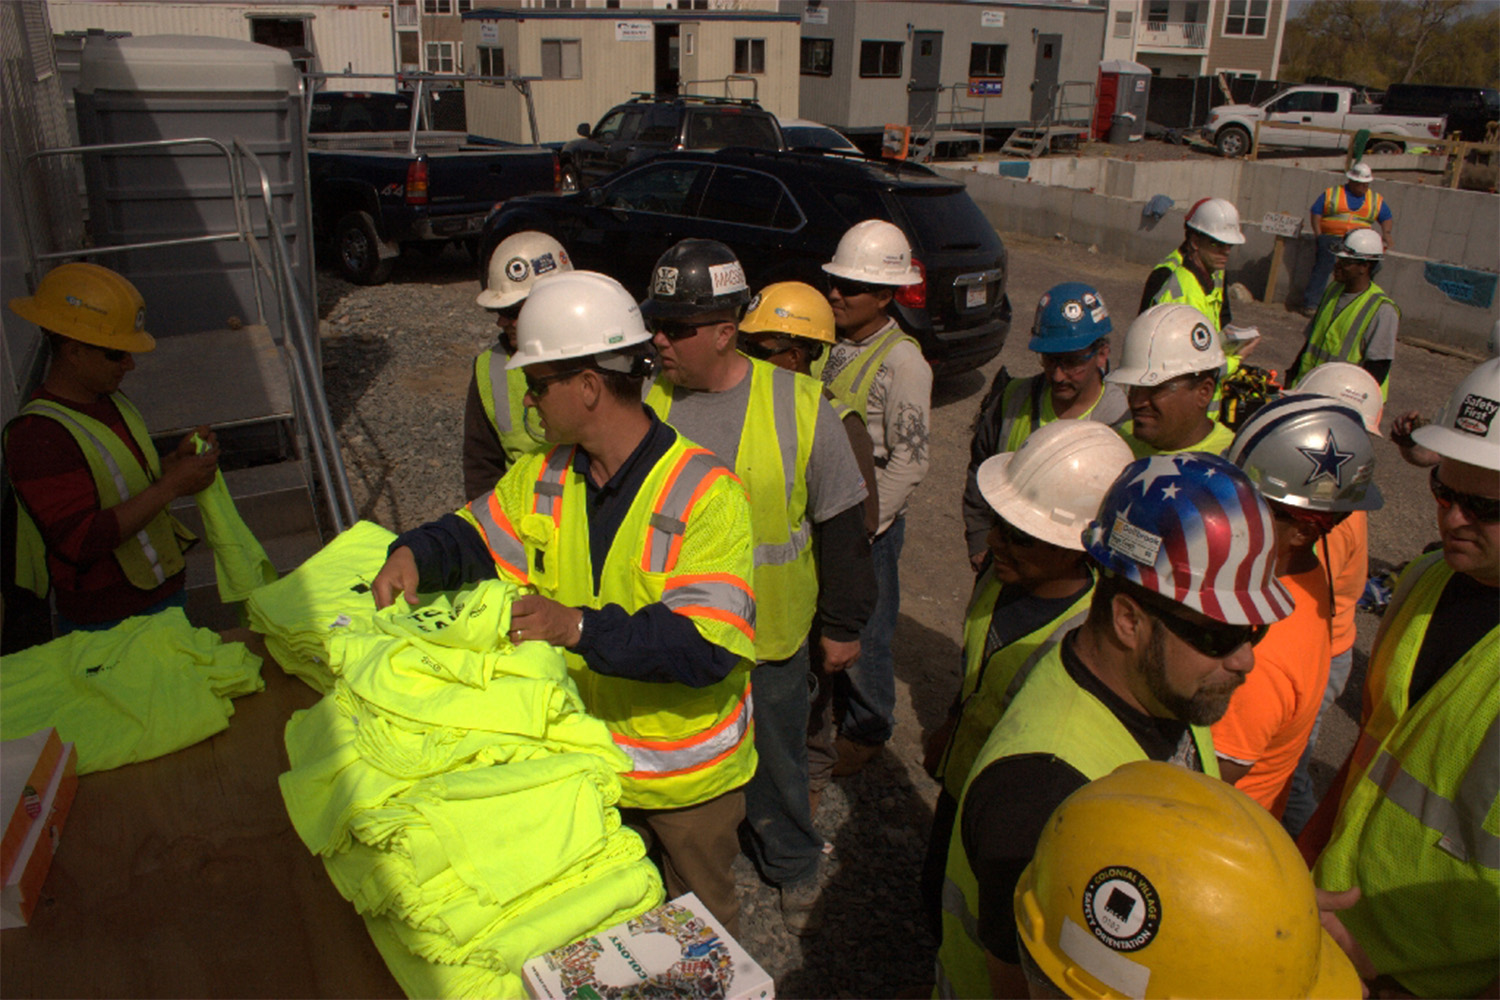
[1187,586]
[495,431]
[1339,211]
[1356,321]
[1170,368]
[880,372]
[1418,820]
[1071,334]
[638,544]
[1193,274]
[81,460]
[1312,460]
[1034,589]
[784,441]
[1186,888]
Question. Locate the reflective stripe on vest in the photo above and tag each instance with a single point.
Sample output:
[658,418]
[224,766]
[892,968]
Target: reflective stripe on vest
[153,554]
[668,758]
[1459,824]
[855,380]
[1183,286]
[496,384]
[721,597]
[499,536]
[1339,219]
[1339,334]
[548,489]
[694,472]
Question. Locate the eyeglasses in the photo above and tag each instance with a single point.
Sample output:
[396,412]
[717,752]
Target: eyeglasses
[1485,510]
[848,289]
[766,350]
[675,331]
[537,385]
[1015,537]
[1321,521]
[1211,638]
[1070,362]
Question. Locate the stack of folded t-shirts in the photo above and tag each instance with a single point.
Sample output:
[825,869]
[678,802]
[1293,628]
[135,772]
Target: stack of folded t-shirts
[327,594]
[150,685]
[461,798]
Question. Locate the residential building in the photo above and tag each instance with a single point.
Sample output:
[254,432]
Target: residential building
[1190,38]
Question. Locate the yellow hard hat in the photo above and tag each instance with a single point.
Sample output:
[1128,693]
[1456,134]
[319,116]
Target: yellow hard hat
[1157,881]
[793,308]
[90,304]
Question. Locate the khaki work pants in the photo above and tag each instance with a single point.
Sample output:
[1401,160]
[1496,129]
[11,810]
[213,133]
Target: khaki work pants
[698,848]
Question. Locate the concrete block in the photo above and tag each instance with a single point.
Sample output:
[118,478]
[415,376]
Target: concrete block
[1447,247]
[1453,216]
[1464,327]
[1413,208]
[1124,220]
[1483,247]
[1119,180]
[1090,215]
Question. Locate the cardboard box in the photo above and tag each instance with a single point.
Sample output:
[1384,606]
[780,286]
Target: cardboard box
[23,886]
[26,768]
[677,949]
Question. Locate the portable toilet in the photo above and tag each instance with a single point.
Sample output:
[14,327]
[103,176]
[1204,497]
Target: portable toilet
[177,87]
[1124,90]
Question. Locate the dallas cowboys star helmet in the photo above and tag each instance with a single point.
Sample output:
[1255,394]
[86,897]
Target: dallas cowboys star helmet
[1306,450]
[1192,528]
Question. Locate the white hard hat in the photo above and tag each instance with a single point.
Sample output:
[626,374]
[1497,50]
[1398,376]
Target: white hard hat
[1164,342]
[515,265]
[576,314]
[1051,486]
[1350,385]
[1468,429]
[875,252]
[1360,173]
[1216,218]
[1361,244]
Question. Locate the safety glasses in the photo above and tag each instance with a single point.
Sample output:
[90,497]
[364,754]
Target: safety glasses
[1071,361]
[675,331]
[1485,510]
[767,349]
[848,289]
[1211,638]
[537,386]
[1320,521]
[1015,537]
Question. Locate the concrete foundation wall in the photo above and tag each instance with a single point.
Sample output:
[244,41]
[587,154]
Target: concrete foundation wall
[1463,225]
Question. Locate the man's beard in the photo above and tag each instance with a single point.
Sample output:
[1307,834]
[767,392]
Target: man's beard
[1202,709]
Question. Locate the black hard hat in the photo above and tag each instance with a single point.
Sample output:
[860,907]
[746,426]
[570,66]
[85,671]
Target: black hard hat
[693,278]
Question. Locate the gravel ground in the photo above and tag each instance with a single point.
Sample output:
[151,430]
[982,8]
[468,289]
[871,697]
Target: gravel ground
[396,363]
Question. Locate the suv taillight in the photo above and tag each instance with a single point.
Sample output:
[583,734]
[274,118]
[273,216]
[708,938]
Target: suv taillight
[914,296]
[556,173]
[416,182]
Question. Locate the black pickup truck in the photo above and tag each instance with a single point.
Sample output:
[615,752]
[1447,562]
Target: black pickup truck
[381,177]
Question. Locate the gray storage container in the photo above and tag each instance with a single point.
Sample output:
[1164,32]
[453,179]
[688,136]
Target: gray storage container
[181,86]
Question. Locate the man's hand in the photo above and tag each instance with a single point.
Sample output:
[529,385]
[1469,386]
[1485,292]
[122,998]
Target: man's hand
[837,656]
[185,471]
[397,576]
[1329,903]
[977,559]
[534,618]
[1401,427]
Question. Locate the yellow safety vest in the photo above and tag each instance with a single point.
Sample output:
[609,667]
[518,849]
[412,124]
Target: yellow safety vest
[1050,715]
[855,380]
[990,686]
[151,555]
[776,441]
[1019,418]
[1419,827]
[685,542]
[1184,286]
[1339,334]
[1339,219]
[1216,443]
[509,422]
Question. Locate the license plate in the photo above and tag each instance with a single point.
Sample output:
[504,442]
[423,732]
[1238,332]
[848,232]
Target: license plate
[975,296]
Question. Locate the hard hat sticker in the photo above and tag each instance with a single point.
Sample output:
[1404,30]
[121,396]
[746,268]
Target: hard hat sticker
[517,269]
[666,281]
[1475,414]
[727,277]
[1203,337]
[1072,311]
[1122,908]
[1133,542]
[541,265]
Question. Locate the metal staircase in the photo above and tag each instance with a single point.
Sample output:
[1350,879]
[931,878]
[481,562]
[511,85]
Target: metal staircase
[258,385]
[945,126]
[1067,119]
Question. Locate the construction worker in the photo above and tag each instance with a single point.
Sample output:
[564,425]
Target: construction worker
[879,371]
[1355,321]
[1339,211]
[638,545]
[1170,369]
[1154,881]
[1193,274]
[1187,587]
[94,493]
[1033,590]
[1418,820]
[1313,461]
[1345,555]
[1071,334]
[786,444]
[495,431]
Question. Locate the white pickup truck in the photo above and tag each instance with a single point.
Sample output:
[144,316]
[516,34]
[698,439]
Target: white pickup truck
[1231,126]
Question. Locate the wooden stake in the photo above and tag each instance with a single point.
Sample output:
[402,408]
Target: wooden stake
[1275,269]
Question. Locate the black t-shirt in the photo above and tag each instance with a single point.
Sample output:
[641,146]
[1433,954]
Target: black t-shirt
[1466,611]
[1008,803]
[1018,612]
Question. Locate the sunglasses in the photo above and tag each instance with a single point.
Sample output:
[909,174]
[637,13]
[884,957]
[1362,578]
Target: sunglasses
[1211,638]
[1015,537]
[1069,362]
[1318,520]
[1485,510]
[849,289]
[675,331]
[537,386]
[765,350]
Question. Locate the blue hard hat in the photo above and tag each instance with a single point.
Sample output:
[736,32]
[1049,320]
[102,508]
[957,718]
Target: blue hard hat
[1070,317]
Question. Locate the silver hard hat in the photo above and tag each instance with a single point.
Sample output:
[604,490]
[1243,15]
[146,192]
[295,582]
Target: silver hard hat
[1306,450]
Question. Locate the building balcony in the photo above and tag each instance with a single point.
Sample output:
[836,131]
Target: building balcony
[1172,35]
[406,15]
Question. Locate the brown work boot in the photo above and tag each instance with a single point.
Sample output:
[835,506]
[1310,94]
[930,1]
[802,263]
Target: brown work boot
[853,756]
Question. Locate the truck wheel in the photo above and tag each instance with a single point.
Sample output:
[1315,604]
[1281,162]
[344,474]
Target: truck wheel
[359,250]
[1386,146]
[1232,141]
[568,179]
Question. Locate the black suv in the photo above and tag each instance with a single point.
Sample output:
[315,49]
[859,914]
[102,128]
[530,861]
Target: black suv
[783,214]
[647,125]
[1469,109]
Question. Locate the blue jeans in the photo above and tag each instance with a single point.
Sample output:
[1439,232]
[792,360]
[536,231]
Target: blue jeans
[1302,801]
[865,694]
[784,845]
[66,625]
[1322,270]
